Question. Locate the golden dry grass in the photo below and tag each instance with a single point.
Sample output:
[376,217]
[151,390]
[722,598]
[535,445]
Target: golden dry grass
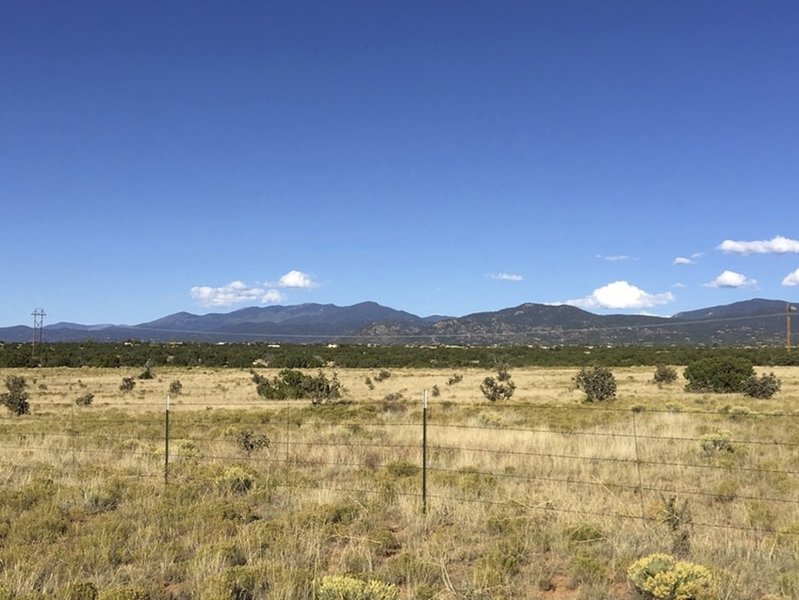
[509,484]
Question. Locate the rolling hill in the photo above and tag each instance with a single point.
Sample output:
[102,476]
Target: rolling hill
[752,322]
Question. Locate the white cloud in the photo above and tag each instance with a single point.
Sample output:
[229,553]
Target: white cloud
[616,258]
[506,277]
[622,295]
[296,279]
[776,245]
[235,292]
[679,285]
[681,260]
[272,297]
[731,279]
[791,279]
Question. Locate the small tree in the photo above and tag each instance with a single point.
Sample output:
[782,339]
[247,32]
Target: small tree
[456,378]
[85,400]
[719,374]
[249,442]
[383,375]
[597,383]
[665,374]
[16,399]
[148,371]
[499,388]
[291,384]
[763,387]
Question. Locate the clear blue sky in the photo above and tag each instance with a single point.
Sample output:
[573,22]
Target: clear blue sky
[436,157]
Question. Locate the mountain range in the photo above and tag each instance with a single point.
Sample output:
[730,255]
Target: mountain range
[751,322]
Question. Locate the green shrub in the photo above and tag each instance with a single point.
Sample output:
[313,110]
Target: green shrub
[36,492]
[382,375]
[662,577]
[763,387]
[44,524]
[489,419]
[587,569]
[236,583]
[403,469]
[499,388]
[665,374]
[146,374]
[176,388]
[761,515]
[236,480]
[249,442]
[291,384]
[718,374]
[715,443]
[597,383]
[408,568]
[85,400]
[123,593]
[726,490]
[16,384]
[16,399]
[127,385]
[187,449]
[384,542]
[583,534]
[82,590]
[341,587]
[679,520]
[738,413]
[456,378]
[424,591]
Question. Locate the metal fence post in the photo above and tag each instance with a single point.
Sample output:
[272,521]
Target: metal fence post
[166,442]
[638,465]
[424,453]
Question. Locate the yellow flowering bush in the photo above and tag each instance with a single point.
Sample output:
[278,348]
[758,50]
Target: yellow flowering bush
[236,479]
[123,593]
[341,587]
[662,577]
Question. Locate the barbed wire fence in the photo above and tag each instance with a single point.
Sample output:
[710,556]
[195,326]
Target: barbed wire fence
[584,461]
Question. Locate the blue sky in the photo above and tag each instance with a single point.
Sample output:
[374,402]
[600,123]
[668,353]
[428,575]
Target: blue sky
[436,157]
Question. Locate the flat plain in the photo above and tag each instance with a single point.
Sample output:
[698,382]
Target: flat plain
[539,496]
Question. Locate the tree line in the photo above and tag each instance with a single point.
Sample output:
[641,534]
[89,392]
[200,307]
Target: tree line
[300,356]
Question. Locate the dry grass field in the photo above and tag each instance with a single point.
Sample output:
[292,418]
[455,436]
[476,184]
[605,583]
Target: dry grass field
[538,497]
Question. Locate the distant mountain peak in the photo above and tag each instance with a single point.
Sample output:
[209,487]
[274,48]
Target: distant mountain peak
[752,322]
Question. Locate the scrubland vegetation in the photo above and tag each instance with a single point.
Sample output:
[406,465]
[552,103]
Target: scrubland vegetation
[541,495]
[379,359]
